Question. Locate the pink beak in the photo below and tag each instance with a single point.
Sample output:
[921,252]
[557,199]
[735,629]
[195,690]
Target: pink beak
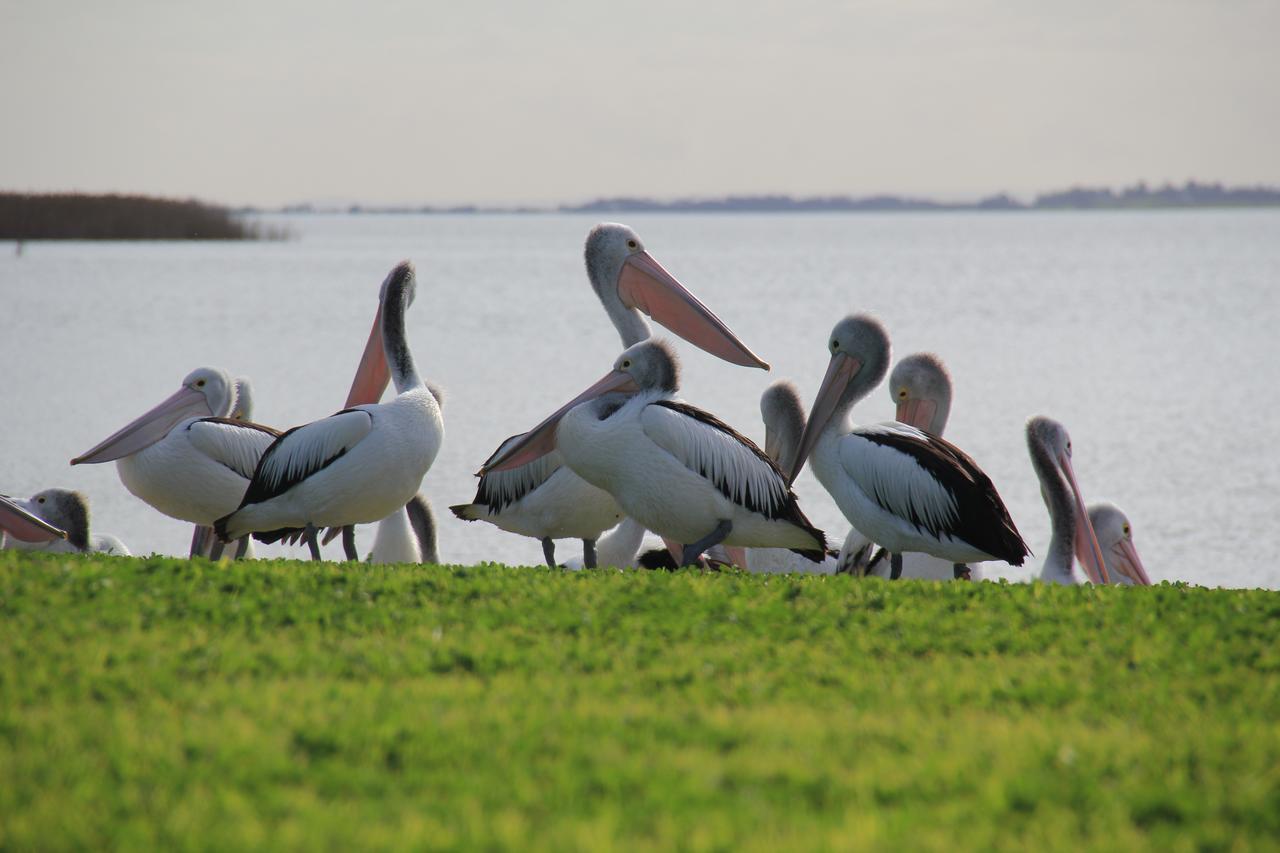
[840,372]
[373,375]
[25,526]
[917,413]
[541,440]
[1131,564]
[149,428]
[643,284]
[1086,539]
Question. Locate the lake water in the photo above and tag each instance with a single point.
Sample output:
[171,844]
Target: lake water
[1154,336]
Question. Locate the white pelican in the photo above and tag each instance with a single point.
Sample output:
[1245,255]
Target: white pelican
[357,466]
[185,457]
[920,388]
[69,511]
[783,416]
[1115,539]
[17,524]
[1050,450]
[408,535]
[901,487]
[676,469]
[203,542]
[543,499]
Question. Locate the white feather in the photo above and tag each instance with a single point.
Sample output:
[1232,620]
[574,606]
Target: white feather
[305,450]
[237,447]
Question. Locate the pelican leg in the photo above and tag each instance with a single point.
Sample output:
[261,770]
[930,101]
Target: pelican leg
[962,572]
[215,551]
[715,537]
[310,535]
[549,551]
[197,540]
[242,547]
[589,553]
[349,542]
[895,566]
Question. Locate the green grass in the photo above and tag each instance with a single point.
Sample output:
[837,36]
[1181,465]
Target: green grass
[162,703]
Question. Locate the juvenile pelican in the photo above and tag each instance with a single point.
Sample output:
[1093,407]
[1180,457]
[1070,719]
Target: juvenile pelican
[1050,450]
[357,466]
[185,457]
[17,524]
[901,487]
[68,511]
[1115,539]
[543,499]
[676,469]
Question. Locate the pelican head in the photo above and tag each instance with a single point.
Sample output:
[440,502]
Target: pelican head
[21,525]
[374,374]
[629,281]
[206,392]
[649,366]
[64,509]
[1050,448]
[783,416]
[920,387]
[859,347]
[1115,538]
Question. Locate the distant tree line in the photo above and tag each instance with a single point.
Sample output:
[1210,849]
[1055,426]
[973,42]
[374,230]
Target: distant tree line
[77,216]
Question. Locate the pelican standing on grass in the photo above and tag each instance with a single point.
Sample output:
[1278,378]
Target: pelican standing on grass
[357,466]
[1050,450]
[185,457]
[675,469]
[901,487]
[543,499]
[68,511]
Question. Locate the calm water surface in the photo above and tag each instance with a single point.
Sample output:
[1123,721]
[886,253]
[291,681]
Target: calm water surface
[1152,336]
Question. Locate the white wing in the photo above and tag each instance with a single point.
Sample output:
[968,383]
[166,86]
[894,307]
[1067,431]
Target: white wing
[709,447]
[885,461]
[304,450]
[235,444]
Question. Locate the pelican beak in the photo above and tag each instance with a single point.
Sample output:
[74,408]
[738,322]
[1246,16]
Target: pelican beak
[541,440]
[373,375]
[644,285]
[149,428]
[1086,539]
[840,373]
[1131,564]
[25,526]
[917,413]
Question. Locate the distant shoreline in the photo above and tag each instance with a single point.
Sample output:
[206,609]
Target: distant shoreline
[83,216]
[1191,195]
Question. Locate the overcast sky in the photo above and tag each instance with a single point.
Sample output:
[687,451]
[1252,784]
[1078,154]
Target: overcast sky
[469,101]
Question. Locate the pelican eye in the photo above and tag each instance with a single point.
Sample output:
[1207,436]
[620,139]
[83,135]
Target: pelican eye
[1127,531]
[199,383]
[626,364]
[835,345]
[40,500]
[902,394]
[631,244]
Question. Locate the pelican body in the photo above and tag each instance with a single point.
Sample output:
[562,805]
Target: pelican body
[357,466]
[185,457]
[674,468]
[898,485]
[547,501]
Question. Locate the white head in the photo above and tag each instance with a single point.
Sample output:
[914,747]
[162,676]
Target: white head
[242,409]
[920,387]
[64,509]
[206,392]
[1115,538]
[783,416]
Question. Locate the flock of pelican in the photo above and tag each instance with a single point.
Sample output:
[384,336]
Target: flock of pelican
[640,477]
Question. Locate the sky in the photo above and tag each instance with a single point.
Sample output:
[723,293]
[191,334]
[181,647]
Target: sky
[270,103]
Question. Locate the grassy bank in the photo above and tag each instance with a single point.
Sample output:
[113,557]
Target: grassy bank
[156,702]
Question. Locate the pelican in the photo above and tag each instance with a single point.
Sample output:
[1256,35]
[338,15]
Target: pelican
[675,469]
[185,457]
[903,488]
[18,524]
[68,511]
[203,542]
[1115,539]
[920,388]
[783,416]
[543,499]
[1050,448]
[408,535]
[357,466]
